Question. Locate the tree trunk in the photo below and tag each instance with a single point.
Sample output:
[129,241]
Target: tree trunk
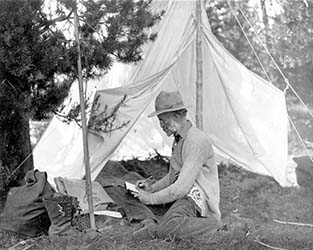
[265,21]
[15,145]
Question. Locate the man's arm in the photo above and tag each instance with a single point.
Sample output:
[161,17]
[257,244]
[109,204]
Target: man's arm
[161,184]
[196,155]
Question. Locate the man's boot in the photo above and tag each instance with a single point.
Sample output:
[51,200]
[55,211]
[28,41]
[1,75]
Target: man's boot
[148,231]
[235,222]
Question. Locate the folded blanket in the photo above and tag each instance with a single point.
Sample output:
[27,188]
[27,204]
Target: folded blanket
[112,178]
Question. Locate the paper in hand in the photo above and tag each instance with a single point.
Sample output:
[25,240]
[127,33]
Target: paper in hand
[131,187]
[114,214]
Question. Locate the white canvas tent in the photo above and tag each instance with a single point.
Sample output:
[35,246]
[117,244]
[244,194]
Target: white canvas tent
[244,115]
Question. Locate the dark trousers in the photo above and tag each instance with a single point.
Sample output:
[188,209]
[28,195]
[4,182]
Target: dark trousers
[182,220]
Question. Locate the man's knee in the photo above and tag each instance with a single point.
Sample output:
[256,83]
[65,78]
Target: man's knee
[169,225]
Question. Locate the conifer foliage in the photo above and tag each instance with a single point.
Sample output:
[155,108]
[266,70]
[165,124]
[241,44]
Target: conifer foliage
[35,52]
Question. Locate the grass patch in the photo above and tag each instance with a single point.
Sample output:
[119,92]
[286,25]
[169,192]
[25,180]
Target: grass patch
[257,197]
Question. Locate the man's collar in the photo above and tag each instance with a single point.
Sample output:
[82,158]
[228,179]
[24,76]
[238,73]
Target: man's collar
[183,131]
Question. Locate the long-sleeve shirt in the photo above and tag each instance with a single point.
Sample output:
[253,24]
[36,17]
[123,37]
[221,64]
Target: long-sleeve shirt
[192,162]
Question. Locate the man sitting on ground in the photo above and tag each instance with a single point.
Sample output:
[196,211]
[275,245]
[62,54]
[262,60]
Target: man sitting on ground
[192,184]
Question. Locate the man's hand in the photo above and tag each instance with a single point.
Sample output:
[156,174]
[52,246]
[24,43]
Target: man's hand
[144,185]
[144,197]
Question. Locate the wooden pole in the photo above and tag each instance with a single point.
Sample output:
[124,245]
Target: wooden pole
[84,126]
[199,67]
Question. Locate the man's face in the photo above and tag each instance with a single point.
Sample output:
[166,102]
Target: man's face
[167,123]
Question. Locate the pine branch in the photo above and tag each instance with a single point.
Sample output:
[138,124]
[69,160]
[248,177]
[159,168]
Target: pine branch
[46,26]
[99,122]
[104,122]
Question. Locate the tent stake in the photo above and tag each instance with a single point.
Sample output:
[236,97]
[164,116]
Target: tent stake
[199,67]
[84,127]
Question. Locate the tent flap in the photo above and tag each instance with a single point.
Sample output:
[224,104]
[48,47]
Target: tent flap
[244,115]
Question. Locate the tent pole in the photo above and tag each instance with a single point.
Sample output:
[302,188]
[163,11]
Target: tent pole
[199,67]
[84,126]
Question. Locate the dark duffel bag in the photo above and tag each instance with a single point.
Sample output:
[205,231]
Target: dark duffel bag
[24,211]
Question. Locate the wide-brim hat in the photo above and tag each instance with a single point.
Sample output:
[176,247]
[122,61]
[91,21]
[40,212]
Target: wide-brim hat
[167,102]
